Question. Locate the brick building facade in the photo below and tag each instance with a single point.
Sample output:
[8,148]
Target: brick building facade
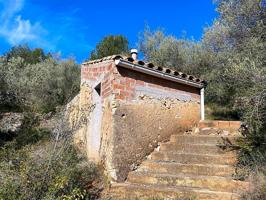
[131,106]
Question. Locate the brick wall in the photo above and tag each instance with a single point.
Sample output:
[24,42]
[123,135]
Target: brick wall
[92,71]
[123,82]
[126,81]
[99,72]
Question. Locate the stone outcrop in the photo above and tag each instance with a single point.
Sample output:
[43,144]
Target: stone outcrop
[77,115]
[11,122]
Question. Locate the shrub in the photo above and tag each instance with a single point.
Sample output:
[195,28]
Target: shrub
[252,156]
[31,173]
[38,164]
[218,112]
[258,190]
[39,87]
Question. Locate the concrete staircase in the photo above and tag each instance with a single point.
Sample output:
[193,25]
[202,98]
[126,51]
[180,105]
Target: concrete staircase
[199,165]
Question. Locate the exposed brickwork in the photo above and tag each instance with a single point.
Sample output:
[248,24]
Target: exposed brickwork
[128,80]
[220,124]
[122,82]
[94,72]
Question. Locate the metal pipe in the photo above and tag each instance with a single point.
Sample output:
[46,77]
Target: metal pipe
[202,110]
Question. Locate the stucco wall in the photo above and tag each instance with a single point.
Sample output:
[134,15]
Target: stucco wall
[139,126]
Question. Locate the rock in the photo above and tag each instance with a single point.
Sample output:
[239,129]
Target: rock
[11,122]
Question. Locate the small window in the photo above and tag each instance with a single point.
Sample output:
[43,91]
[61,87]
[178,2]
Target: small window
[98,89]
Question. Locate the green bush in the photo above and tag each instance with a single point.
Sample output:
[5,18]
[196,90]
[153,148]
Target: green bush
[29,133]
[38,164]
[33,173]
[38,87]
[252,156]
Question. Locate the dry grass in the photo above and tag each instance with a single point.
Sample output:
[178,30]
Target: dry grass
[258,189]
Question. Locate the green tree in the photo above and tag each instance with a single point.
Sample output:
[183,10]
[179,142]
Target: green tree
[237,41]
[182,54]
[159,48]
[30,56]
[110,45]
[39,87]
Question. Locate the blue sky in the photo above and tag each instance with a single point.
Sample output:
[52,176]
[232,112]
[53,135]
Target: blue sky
[73,27]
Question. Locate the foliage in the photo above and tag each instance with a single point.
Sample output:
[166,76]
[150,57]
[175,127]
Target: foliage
[25,174]
[217,112]
[39,87]
[237,38]
[29,56]
[46,167]
[110,45]
[29,133]
[253,145]
[230,57]
[180,54]
[258,190]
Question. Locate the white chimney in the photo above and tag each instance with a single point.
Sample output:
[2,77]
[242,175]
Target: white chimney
[134,54]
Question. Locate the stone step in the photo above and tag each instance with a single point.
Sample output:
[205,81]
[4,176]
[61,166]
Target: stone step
[196,148]
[202,139]
[190,158]
[212,183]
[129,191]
[210,131]
[191,169]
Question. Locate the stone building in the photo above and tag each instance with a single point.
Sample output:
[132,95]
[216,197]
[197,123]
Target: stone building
[126,107]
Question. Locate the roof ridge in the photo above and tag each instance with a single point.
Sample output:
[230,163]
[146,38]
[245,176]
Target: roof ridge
[111,57]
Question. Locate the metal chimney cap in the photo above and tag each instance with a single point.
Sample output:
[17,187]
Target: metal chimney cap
[133,51]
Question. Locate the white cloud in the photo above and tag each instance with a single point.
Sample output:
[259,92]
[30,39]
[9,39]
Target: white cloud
[16,30]
[19,30]
[10,8]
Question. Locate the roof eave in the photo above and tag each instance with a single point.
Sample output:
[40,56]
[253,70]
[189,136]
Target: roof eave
[139,68]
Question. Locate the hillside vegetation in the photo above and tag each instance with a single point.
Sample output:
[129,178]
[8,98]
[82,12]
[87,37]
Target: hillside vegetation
[40,162]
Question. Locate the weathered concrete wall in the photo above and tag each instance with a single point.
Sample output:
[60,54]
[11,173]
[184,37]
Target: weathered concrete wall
[139,127]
